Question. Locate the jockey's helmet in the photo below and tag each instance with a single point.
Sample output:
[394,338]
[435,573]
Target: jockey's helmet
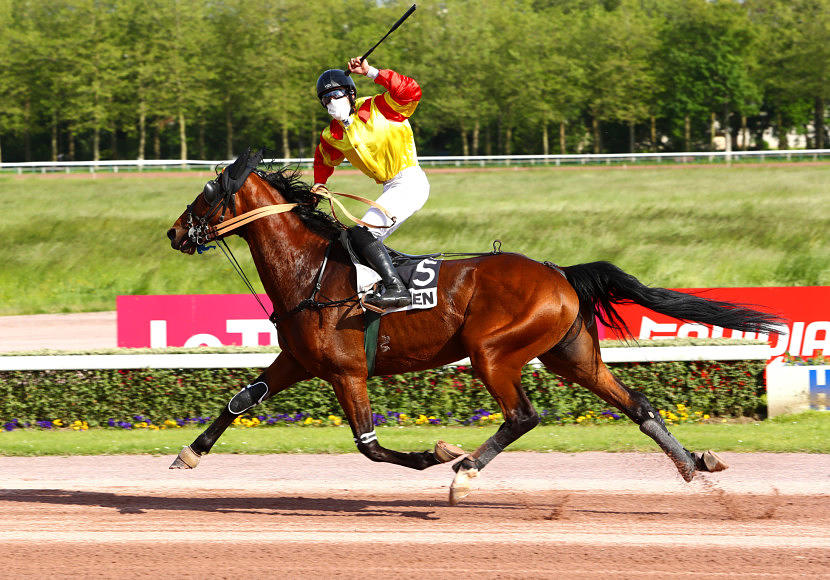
[338,84]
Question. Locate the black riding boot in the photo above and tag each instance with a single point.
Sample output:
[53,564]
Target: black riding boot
[394,294]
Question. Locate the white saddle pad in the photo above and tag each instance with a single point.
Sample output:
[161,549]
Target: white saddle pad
[421,277]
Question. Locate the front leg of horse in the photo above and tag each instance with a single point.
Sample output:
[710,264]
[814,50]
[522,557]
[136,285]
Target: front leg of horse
[353,397]
[282,373]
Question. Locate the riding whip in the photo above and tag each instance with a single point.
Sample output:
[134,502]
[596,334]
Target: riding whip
[391,30]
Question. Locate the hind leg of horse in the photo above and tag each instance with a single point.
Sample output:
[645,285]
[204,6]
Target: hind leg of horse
[579,360]
[354,399]
[504,383]
[283,372]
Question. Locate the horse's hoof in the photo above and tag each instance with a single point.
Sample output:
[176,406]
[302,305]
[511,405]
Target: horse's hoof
[462,485]
[445,452]
[709,461]
[187,459]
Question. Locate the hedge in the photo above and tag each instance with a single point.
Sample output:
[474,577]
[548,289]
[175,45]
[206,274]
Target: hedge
[733,388]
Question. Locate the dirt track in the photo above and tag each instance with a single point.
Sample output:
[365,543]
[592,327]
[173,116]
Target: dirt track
[534,516]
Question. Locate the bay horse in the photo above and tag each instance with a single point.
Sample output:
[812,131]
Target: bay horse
[501,310]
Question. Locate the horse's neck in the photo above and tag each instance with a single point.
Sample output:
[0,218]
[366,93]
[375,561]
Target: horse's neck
[287,256]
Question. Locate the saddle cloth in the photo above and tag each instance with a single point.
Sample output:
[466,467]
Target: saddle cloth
[419,274]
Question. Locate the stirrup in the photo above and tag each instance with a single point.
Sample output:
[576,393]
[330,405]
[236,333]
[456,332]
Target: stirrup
[380,301]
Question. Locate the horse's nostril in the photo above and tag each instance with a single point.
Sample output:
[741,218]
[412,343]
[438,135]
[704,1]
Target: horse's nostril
[171,234]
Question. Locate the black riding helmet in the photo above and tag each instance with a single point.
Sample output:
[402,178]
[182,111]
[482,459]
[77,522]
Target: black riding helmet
[336,79]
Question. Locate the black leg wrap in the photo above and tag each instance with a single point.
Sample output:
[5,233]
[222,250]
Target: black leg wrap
[681,457]
[492,447]
[209,436]
[251,395]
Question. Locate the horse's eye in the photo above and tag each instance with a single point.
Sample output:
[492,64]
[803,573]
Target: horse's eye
[211,192]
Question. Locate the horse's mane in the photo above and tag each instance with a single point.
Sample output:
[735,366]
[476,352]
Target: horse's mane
[287,181]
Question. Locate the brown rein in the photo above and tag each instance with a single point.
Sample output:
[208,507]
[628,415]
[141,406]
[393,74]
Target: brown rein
[266,210]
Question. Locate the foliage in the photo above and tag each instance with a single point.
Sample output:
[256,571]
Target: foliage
[453,394]
[170,78]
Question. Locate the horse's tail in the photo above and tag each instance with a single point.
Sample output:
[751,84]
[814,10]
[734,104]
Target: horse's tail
[601,285]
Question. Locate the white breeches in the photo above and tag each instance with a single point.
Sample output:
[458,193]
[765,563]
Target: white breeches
[402,196]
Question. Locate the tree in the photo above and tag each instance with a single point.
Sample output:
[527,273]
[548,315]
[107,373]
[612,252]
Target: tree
[618,66]
[709,54]
[559,74]
[12,95]
[183,39]
[810,58]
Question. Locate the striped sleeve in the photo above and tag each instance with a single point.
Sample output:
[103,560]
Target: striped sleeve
[326,158]
[403,93]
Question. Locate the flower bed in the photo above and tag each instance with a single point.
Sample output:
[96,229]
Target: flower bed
[162,398]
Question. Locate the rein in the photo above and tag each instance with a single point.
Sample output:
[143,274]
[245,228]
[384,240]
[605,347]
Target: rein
[203,233]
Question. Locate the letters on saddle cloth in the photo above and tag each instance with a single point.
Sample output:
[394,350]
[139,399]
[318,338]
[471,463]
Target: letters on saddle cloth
[419,275]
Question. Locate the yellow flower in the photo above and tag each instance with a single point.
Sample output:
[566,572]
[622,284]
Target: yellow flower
[141,425]
[681,407]
[706,416]
[57,423]
[156,427]
[308,421]
[580,419]
[237,421]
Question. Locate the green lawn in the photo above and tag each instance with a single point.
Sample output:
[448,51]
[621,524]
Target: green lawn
[809,432]
[74,244]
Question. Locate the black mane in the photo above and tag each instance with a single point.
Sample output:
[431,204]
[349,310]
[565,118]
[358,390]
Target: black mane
[287,181]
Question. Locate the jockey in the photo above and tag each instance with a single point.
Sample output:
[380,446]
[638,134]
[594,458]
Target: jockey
[374,134]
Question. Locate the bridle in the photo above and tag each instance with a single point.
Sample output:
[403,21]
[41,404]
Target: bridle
[199,229]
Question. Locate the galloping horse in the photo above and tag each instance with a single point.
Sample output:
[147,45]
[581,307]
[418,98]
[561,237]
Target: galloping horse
[501,310]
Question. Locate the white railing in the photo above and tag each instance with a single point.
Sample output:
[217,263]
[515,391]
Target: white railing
[114,166]
[257,360]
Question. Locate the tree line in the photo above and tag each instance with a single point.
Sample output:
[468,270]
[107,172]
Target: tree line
[117,79]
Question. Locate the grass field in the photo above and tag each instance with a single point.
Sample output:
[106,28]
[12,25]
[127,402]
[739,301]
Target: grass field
[808,432]
[73,244]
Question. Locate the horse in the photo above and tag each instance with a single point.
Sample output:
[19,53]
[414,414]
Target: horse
[501,310]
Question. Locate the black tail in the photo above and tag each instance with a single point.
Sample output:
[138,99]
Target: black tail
[600,285]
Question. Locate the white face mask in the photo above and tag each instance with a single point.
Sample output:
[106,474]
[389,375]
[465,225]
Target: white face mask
[340,108]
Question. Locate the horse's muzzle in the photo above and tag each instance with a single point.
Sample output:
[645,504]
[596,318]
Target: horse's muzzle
[180,241]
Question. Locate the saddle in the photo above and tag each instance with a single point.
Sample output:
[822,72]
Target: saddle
[419,273]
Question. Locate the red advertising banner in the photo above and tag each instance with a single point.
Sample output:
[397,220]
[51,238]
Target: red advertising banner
[806,310]
[193,320]
[237,319]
